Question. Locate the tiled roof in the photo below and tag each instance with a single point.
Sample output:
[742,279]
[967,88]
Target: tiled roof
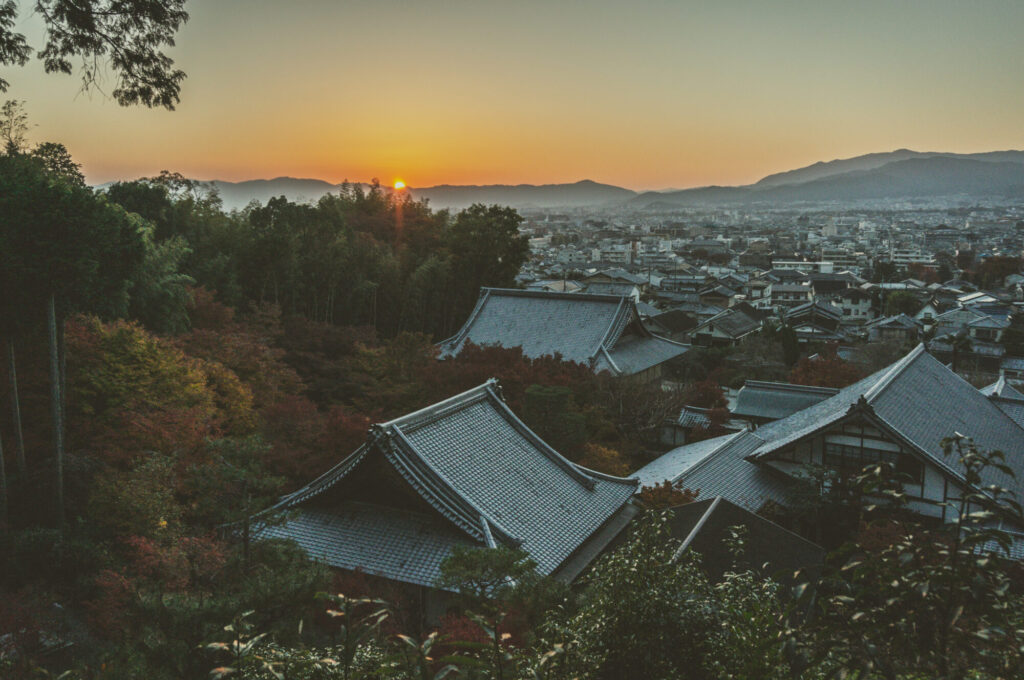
[772,400]
[732,322]
[620,274]
[815,307]
[670,466]
[601,331]
[609,288]
[488,475]
[693,416]
[898,321]
[397,544]
[1013,408]
[917,399]
[726,472]
[922,401]
[1001,388]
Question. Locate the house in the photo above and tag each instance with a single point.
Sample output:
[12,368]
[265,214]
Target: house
[463,472]
[1009,399]
[900,328]
[728,326]
[1012,368]
[675,324]
[855,304]
[616,276]
[988,328]
[679,430]
[556,286]
[603,332]
[929,314]
[899,415]
[815,321]
[761,401]
[718,295]
[789,294]
[833,283]
[630,290]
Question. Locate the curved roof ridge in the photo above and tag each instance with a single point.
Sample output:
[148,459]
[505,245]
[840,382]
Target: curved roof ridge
[324,481]
[793,387]
[894,370]
[601,344]
[608,358]
[626,316]
[456,339]
[604,476]
[433,411]
[575,471]
[437,489]
[551,295]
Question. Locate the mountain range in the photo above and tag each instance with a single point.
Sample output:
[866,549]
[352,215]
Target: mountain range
[900,174]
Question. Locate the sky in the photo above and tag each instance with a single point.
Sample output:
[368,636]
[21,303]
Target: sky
[646,95]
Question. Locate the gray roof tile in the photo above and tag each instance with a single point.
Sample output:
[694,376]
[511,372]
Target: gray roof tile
[580,327]
[773,400]
[400,545]
[483,470]
[917,398]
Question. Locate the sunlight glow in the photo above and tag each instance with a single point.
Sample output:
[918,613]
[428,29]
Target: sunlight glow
[399,185]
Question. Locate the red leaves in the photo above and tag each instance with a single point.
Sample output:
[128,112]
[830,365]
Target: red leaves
[705,394]
[665,495]
[827,370]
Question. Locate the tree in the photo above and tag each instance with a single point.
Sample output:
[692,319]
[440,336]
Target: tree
[487,250]
[1013,336]
[901,302]
[790,344]
[128,36]
[644,614]
[490,581]
[62,249]
[934,603]
[992,271]
[705,394]
[58,162]
[825,370]
[13,121]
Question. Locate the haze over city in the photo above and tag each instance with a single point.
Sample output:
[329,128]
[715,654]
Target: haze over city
[646,96]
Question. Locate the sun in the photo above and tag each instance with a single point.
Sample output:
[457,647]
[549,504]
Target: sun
[399,185]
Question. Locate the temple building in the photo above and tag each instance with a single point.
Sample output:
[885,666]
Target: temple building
[601,331]
[898,415]
[463,472]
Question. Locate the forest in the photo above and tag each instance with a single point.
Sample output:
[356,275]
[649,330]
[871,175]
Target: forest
[170,369]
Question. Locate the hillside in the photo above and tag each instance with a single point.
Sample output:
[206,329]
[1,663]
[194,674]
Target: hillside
[919,176]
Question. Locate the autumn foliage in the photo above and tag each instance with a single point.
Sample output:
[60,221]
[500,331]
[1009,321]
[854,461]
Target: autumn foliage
[825,370]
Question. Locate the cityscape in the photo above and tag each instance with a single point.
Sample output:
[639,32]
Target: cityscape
[511,341]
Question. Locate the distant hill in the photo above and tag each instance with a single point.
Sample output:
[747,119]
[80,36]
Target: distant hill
[902,174]
[875,160]
[578,194]
[239,194]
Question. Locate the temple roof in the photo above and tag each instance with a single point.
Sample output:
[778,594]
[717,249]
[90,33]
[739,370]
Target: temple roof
[774,400]
[489,478]
[917,400]
[601,331]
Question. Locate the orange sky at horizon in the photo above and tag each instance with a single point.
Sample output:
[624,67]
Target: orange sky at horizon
[652,95]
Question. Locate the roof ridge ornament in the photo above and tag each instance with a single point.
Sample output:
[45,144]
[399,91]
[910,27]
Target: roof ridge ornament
[862,406]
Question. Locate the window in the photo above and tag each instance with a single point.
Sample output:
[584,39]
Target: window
[855,458]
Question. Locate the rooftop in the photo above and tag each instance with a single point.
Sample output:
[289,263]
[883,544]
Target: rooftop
[487,477]
[601,331]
